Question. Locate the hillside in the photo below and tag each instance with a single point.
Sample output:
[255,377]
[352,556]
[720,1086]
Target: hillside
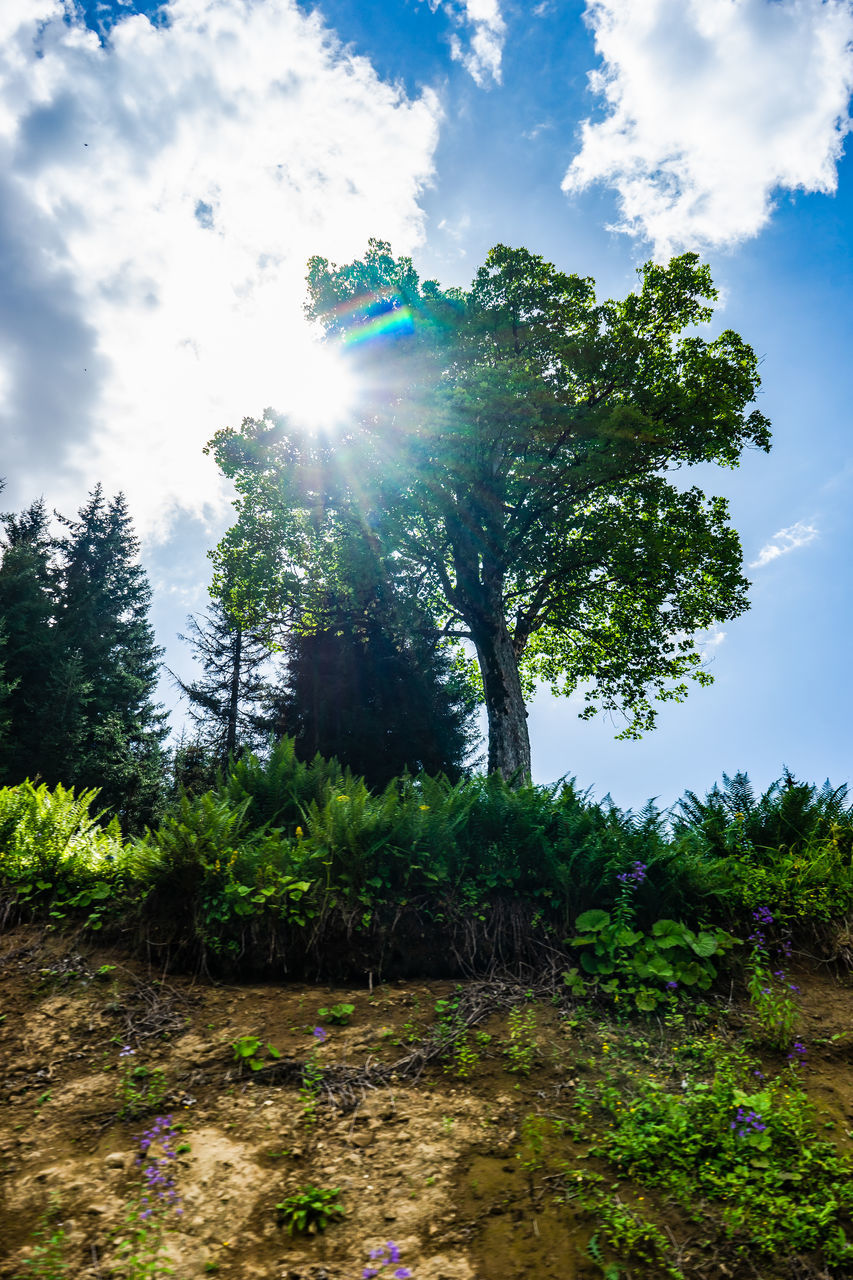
[490,1129]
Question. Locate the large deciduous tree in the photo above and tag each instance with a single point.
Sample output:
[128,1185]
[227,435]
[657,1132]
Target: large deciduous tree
[510,458]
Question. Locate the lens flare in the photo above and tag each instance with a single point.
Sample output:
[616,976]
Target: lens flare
[370,317]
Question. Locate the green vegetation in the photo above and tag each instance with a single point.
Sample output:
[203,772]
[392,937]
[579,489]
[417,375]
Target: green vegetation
[81,659]
[309,1210]
[141,1088]
[339,1014]
[251,1050]
[49,1257]
[300,863]
[742,1141]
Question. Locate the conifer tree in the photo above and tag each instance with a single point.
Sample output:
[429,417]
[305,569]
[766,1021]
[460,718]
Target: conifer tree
[370,683]
[227,702]
[103,627]
[46,693]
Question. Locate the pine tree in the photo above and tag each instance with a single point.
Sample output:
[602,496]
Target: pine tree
[372,686]
[104,629]
[227,703]
[45,701]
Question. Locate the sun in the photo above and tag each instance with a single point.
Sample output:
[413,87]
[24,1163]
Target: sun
[321,393]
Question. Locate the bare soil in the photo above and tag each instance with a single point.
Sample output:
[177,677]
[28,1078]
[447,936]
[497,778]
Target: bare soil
[421,1155]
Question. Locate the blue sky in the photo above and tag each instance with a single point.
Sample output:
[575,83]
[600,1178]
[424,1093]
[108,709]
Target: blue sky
[166,171]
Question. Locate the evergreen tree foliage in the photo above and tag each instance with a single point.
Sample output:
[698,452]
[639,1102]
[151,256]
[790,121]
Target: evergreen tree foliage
[372,687]
[80,659]
[47,691]
[103,627]
[227,703]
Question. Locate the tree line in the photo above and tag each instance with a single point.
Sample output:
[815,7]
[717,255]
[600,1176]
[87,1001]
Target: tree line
[79,668]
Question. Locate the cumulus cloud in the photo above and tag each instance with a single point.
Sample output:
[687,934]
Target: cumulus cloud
[481,56]
[796,535]
[161,193]
[711,107]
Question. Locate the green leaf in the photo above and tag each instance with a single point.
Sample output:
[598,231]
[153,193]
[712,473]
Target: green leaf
[593,921]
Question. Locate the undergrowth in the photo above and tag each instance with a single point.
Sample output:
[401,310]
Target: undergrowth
[285,864]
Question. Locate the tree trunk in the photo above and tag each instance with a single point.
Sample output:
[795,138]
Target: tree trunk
[509,741]
[234,694]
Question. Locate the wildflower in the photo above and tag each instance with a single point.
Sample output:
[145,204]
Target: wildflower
[299,833]
[340,798]
[671,986]
[635,876]
[126,1052]
[798,1052]
[423,807]
[319,1034]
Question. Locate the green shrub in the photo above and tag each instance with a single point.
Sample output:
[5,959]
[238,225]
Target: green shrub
[745,1143]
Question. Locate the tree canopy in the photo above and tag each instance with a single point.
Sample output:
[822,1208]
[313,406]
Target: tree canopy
[510,460]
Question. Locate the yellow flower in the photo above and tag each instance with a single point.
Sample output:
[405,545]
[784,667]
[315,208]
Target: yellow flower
[423,807]
[343,798]
[299,833]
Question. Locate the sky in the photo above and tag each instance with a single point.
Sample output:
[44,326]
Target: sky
[166,172]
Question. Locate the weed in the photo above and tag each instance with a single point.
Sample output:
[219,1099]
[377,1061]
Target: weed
[312,1079]
[249,1050]
[629,1235]
[309,1210]
[648,967]
[339,1014]
[522,1048]
[47,1259]
[140,1088]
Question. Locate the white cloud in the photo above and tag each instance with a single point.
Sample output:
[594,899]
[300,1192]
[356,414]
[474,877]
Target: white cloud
[160,197]
[482,58]
[712,106]
[796,535]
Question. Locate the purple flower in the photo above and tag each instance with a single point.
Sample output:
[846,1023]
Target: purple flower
[635,876]
[798,1052]
[393,1251]
[369,1271]
[671,986]
[402,1273]
[319,1034]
